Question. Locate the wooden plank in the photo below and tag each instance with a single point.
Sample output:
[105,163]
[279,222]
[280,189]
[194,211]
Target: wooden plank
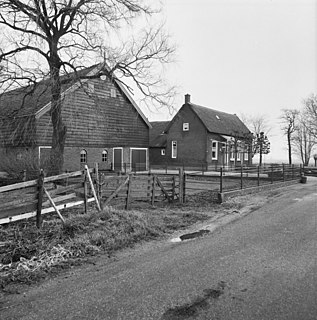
[116,191]
[61,189]
[18,209]
[19,185]
[163,189]
[32,214]
[54,206]
[40,186]
[92,187]
[61,198]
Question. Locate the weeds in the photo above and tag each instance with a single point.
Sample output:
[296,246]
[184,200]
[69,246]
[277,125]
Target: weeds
[27,254]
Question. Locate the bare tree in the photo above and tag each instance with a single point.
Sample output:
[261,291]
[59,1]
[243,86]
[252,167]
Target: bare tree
[260,128]
[289,118]
[304,141]
[50,39]
[310,107]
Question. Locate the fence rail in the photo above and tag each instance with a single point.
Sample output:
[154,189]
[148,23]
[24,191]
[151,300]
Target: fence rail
[52,194]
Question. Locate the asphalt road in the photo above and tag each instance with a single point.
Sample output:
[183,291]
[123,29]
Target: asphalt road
[262,266]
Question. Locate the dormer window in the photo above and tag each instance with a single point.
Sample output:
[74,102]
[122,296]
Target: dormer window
[185,126]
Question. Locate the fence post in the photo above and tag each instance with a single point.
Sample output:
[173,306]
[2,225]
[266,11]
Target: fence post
[283,166]
[153,190]
[40,189]
[181,185]
[24,175]
[258,176]
[97,181]
[85,192]
[292,172]
[128,200]
[173,188]
[272,173]
[241,177]
[221,180]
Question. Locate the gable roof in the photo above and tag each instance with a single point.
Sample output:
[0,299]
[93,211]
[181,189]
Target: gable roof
[157,133]
[220,122]
[215,121]
[30,101]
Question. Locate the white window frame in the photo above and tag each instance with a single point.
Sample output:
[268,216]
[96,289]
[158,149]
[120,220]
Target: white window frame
[104,154]
[162,152]
[238,156]
[83,152]
[185,126]
[174,150]
[246,156]
[214,150]
[42,147]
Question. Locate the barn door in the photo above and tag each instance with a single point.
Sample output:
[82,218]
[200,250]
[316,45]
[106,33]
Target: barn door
[117,159]
[138,159]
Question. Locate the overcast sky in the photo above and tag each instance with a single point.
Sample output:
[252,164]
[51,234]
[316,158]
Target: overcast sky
[244,56]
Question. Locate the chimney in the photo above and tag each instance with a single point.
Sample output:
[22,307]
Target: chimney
[187,98]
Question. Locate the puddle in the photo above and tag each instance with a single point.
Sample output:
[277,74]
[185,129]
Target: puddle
[193,235]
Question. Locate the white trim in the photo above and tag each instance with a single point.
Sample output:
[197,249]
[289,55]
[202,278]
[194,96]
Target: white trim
[185,126]
[214,149]
[173,153]
[146,156]
[42,147]
[46,210]
[117,148]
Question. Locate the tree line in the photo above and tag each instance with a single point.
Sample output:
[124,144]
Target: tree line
[299,125]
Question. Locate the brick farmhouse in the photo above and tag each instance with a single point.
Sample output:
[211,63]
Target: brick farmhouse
[199,136]
[104,124]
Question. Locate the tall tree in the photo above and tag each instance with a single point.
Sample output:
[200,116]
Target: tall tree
[304,140]
[289,118]
[260,128]
[310,107]
[49,39]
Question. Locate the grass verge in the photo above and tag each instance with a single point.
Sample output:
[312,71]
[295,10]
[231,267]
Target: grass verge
[28,254]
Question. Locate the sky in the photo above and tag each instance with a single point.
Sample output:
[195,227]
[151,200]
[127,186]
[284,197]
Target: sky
[251,57]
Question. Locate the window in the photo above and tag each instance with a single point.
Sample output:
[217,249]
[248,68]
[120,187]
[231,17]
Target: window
[246,153]
[214,150]
[19,156]
[113,93]
[162,152]
[90,87]
[238,156]
[104,156]
[83,156]
[174,149]
[185,126]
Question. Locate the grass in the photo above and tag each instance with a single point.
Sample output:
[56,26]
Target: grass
[28,254]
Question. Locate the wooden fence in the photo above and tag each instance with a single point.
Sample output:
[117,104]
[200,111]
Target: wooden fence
[48,194]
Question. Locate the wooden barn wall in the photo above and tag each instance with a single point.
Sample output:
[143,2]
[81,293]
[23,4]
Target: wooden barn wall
[97,119]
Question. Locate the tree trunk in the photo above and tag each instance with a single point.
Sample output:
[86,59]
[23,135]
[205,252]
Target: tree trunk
[289,147]
[59,129]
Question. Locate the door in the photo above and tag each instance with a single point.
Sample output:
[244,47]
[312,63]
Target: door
[117,159]
[138,159]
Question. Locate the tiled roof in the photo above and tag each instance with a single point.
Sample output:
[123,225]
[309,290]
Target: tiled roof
[220,122]
[26,101]
[157,138]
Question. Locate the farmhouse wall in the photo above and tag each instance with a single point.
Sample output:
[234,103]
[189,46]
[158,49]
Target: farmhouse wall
[191,144]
